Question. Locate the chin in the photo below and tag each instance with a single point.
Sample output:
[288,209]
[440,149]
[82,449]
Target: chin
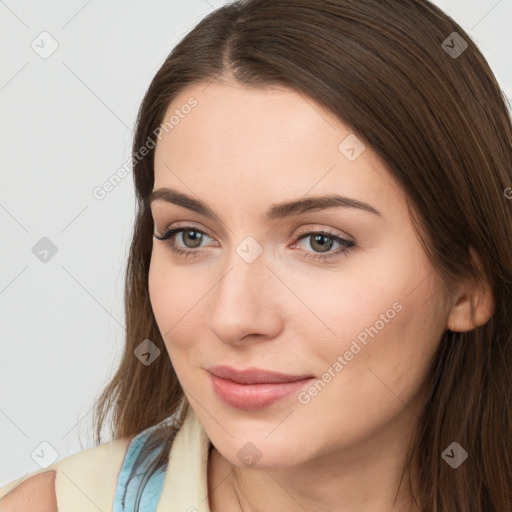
[258,453]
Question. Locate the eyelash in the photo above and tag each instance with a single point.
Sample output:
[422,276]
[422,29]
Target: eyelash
[168,236]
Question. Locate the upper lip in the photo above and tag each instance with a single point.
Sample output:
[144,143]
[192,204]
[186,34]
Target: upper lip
[253,375]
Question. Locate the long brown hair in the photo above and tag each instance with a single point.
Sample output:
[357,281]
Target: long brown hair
[439,120]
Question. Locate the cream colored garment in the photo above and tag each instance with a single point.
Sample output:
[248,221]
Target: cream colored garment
[185,485]
[86,481]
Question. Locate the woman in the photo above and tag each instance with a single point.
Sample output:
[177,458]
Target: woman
[318,292]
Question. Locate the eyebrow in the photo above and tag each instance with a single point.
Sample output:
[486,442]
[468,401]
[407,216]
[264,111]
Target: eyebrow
[276,211]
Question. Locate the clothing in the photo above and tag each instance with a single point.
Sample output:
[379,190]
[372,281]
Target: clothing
[94,480]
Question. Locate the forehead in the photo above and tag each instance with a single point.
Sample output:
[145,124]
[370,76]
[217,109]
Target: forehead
[234,121]
[267,140]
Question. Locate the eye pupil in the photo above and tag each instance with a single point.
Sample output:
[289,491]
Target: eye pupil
[321,240]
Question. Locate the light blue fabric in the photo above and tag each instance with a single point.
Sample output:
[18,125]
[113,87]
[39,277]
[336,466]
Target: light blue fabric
[134,501]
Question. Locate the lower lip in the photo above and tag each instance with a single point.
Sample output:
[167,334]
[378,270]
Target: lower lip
[251,397]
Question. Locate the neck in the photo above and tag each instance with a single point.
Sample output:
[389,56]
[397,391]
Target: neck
[362,477]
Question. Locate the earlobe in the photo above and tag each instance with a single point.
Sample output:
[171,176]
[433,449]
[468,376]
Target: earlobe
[474,304]
[470,312]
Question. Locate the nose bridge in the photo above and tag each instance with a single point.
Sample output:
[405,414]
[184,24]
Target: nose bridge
[243,300]
[245,272]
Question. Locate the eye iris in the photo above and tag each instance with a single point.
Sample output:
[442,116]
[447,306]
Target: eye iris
[324,241]
[195,238]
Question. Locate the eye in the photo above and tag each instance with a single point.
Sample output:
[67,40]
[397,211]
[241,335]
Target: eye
[189,235]
[323,242]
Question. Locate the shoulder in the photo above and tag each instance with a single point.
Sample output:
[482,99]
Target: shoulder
[34,493]
[89,475]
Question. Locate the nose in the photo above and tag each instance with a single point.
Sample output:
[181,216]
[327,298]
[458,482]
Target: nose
[245,302]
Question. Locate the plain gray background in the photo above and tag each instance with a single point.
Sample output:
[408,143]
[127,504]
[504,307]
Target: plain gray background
[66,126]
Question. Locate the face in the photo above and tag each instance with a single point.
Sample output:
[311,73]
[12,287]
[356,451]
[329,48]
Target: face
[340,293]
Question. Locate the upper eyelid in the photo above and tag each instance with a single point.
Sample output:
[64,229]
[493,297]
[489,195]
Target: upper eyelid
[185,227]
[332,231]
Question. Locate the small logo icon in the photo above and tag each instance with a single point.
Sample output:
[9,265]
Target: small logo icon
[351,147]
[44,454]
[249,455]
[147,352]
[249,249]
[455,455]
[454,45]
[44,45]
[44,250]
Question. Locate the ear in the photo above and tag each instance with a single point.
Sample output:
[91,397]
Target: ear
[473,304]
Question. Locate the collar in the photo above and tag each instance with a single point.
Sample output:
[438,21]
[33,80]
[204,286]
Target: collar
[185,485]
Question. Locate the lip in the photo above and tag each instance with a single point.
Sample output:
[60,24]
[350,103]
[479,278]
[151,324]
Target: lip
[258,389]
[254,375]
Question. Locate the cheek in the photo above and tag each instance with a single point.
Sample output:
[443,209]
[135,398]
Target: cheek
[387,319]
[160,291]
[363,306]
[174,300]
[162,286]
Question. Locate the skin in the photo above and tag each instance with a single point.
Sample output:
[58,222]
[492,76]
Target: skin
[241,150]
[35,493]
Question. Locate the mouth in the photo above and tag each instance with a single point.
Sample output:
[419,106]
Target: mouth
[254,389]
[254,375]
